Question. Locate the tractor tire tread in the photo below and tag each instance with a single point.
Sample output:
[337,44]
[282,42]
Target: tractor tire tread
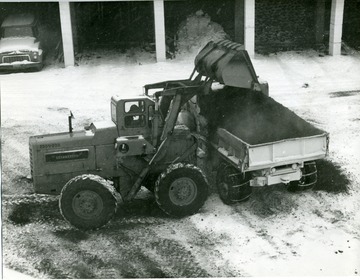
[202,185]
[113,198]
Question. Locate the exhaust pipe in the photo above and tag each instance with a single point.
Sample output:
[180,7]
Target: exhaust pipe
[70,122]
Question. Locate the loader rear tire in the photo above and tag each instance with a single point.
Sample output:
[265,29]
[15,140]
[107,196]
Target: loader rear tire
[181,190]
[308,179]
[232,186]
[88,202]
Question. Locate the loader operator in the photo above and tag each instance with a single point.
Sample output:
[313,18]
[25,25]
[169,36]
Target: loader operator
[134,120]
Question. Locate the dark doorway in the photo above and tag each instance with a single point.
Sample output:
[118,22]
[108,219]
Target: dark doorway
[114,25]
[48,16]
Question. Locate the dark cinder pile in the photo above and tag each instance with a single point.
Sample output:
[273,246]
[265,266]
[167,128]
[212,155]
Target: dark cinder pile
[253,117]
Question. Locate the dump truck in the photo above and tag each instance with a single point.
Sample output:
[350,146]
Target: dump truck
[173,138]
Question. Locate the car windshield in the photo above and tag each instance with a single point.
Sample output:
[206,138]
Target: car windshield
[22,31]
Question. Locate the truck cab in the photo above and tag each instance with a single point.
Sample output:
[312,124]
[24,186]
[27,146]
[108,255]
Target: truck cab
[20,47]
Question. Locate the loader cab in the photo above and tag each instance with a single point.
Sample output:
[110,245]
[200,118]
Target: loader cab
[132,116]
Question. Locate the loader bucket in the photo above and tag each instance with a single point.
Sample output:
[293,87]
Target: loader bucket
[227,63]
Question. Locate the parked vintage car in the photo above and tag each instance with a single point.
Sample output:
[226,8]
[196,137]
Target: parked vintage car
[20,47]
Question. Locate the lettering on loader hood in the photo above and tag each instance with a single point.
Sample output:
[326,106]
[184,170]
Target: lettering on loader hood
[68,155]
[46,146]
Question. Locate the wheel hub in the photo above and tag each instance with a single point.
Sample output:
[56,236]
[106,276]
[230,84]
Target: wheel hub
[87,204]
[182,191]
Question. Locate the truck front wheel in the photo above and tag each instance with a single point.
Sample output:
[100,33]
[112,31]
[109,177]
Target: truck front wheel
[88,202]
[232,185]
[181,190]
[308,179]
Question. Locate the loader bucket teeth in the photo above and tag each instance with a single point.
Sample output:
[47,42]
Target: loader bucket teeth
[227,63]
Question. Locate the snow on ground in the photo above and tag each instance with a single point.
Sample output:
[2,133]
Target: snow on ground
[306,234]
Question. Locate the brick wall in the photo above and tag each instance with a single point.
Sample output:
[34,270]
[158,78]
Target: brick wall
[351,23]
[284,25]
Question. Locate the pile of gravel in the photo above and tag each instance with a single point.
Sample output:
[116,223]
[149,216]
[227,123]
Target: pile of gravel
[252,116]
[196,31]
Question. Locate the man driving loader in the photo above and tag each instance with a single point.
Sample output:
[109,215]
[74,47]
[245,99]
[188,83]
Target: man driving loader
[135,119]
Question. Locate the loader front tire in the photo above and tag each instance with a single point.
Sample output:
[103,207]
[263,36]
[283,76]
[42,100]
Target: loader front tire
[181,190]
[88,202]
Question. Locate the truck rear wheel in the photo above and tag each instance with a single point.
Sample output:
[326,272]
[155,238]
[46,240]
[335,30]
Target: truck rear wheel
[232,185]
[181,190]
[308,179]
[88,202]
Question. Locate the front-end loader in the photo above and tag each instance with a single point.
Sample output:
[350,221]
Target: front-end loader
[164,140]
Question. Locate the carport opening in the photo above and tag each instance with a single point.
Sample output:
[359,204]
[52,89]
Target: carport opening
[48,17]
[351,25]
[111,28]
[114,26]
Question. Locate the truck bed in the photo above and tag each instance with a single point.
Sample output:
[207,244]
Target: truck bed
[285,152]
[255,131]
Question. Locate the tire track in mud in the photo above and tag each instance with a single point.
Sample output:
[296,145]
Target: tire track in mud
[154,255]
[21,210]
[201,245]
[127,247]
[177,258]
[134,253]
[270,200]
[144,243]
[269,204]
[182,241]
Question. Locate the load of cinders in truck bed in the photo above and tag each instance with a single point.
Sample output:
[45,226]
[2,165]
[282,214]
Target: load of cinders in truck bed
[252,116]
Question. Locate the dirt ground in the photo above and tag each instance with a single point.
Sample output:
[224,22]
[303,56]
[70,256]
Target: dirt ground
[275,233]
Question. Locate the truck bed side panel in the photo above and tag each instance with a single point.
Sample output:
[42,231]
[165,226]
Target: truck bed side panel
[287,152]
[255,157]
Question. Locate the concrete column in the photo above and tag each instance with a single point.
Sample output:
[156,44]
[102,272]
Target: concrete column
[159,18]
[336,21]
[249,23]
[66,33]
[239,21]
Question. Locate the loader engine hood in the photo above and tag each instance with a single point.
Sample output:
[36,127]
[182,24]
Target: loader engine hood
[228,63]
[55,158]
[98,133]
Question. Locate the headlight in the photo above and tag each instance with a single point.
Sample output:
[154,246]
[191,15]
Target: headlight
[35,55]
